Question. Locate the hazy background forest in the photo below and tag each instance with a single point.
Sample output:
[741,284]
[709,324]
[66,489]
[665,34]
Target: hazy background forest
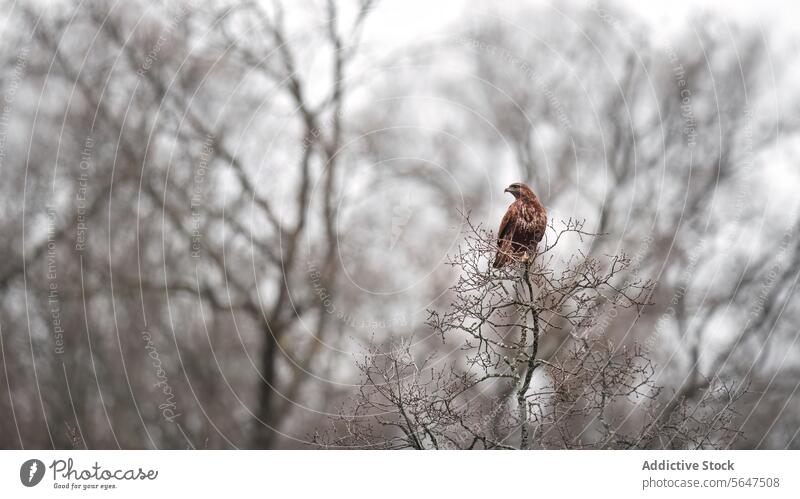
[211,210]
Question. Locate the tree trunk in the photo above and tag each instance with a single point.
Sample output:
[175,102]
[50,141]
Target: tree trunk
[265,425]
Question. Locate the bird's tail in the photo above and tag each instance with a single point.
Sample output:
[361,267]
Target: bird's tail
[500,259]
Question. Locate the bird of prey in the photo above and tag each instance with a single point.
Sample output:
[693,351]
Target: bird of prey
[522,226]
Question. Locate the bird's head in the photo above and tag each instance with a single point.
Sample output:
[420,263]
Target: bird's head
[519,190]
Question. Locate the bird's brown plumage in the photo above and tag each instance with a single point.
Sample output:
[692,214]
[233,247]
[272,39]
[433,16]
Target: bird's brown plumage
[522,226]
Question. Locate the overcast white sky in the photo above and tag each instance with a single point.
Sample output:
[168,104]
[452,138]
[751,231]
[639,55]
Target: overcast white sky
[409,18]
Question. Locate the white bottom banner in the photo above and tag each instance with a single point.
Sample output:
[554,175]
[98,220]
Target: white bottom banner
[399,474]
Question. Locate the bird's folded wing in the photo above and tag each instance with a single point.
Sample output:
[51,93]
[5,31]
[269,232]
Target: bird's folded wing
[506,227]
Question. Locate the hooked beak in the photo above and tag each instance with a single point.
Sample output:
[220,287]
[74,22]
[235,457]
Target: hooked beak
[508,189]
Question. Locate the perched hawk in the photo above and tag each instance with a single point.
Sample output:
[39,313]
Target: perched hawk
[522,227]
